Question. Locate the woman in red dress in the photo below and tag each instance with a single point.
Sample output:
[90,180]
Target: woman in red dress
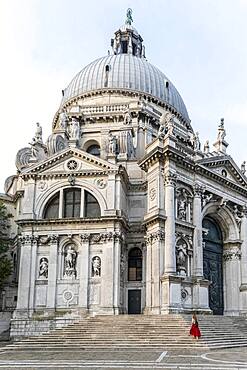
[194,330]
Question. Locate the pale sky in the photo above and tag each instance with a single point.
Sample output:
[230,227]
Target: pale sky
[199,44]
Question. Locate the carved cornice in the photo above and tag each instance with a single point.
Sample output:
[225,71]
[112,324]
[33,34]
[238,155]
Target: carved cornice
[140,187]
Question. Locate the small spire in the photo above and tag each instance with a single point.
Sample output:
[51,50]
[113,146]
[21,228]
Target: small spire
[129,18]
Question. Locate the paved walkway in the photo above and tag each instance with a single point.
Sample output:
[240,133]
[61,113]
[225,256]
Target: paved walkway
[127,358]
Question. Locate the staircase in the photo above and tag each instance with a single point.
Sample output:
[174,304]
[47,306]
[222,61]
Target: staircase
[140,331]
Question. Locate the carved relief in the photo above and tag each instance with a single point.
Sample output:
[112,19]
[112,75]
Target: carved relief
[43,268]
[152,193]
[42,186]
[96,266]
[70,259]
[100,183]
[72,165]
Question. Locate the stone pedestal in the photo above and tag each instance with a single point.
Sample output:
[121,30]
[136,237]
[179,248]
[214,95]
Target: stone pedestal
[171,294]
[200,295]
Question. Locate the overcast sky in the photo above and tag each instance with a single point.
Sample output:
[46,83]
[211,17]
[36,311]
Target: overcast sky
[199,44]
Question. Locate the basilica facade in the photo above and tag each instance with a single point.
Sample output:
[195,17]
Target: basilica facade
[121,210]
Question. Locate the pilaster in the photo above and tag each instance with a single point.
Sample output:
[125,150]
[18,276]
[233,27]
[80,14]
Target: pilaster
[197,240]
[84,271]
[52,272]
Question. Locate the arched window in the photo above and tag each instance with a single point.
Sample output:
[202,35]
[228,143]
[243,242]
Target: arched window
[72,202]
[92,208]
[135,265]
[94,150]
[52,207]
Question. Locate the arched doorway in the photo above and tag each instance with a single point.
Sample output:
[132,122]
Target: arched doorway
[212,264]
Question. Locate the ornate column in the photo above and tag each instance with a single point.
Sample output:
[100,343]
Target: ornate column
[116,273]
[52,272]
[231,257]
[170,238]
[244,251]
[34,241]
[84,271]
[107,286]
[148,274]
[24,276]
[197,240]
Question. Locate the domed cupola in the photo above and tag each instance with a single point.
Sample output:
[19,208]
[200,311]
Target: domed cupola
[127,40]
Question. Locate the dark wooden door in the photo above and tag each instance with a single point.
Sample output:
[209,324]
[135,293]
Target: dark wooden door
[212,265]
[134,301]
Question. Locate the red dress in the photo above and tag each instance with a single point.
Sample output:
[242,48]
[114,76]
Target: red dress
[194,330]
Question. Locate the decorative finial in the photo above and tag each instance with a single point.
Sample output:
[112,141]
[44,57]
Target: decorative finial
[129,18]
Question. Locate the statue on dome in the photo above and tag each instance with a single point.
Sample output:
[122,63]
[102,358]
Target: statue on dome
[127,116]
[112,146]
[129,18]
[166,124]
[196,142]
[63,120]
[206,147]
[37,146]
[74,131]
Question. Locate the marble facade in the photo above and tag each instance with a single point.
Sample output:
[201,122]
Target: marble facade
[136,153]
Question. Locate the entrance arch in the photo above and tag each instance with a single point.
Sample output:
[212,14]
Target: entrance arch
[213,264]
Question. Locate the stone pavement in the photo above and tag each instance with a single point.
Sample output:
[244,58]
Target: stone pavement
[124,358]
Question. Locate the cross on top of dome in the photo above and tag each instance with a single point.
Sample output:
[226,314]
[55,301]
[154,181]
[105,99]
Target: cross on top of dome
[127,39]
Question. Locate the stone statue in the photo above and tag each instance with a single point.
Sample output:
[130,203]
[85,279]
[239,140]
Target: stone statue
[74,131]
[43,268]
[206,147]
[63,120]
[37,146]
[112,146]
[96,266]
[166,124]
[181,259]
[221,131]
[129,18]
[182,205]
[127,117]
[196,142]
[243,167]
[70,262]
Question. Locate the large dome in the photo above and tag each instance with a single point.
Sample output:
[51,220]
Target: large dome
[127,72]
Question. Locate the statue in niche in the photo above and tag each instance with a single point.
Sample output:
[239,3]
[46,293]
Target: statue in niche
[63,120]
[127,117]
[182,206]
[74,131]
[96,266]
[181,259]
[43,268]
[70,262]
[112,146]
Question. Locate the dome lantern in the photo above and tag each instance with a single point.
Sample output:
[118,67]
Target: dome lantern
[127,40]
